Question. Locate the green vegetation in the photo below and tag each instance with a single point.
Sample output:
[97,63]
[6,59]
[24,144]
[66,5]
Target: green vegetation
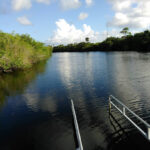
[87,39]
[128,42]
[16,83]
[125,31]
[20,51]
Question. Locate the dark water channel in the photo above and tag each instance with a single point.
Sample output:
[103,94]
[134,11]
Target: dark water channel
[35,108]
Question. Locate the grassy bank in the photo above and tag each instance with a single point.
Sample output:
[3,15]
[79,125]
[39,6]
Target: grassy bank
[128,42]
[20,51]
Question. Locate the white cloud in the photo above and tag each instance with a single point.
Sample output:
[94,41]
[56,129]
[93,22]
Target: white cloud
[67,33]
[134,14]
[18,5]
[119,5]
[24,21]
[21,4]
[83,16]
[44,1]
[89,2]
[112,33]
[70,4]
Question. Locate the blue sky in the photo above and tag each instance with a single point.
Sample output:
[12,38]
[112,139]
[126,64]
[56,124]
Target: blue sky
[69,21]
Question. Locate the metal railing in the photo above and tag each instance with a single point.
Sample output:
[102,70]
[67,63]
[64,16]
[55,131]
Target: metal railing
[76,127]
[124,111]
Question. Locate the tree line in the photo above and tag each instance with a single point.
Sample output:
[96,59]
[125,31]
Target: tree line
[128,42]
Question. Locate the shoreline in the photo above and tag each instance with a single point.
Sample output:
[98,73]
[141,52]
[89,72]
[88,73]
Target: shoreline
[18,52]
[100,51]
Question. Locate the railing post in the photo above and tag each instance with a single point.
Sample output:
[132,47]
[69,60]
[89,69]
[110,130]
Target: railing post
[148,133]
[109,104]
[76,127]
[124,111]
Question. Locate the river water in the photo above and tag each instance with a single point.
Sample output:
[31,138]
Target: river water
[35,110]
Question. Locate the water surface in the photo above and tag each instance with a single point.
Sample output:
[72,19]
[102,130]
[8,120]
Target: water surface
[35,104]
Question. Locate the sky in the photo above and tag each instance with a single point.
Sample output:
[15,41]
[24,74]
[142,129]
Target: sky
[71,21]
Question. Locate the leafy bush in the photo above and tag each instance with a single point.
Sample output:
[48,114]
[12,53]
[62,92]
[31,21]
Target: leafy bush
[20,51]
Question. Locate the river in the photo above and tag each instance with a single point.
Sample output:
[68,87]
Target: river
[35,110]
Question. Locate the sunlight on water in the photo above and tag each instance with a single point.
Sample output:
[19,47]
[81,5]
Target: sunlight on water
[35,108]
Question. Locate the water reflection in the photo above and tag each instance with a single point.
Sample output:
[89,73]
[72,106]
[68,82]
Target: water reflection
[37,113]
[130,75]
[80,77]
[15,83]
[125,137]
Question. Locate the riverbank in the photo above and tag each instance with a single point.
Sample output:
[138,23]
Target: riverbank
[137,42]
[20,52]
